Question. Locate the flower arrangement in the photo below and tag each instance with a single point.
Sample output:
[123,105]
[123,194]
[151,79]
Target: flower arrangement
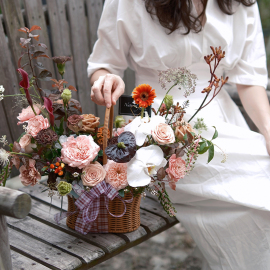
[66,145]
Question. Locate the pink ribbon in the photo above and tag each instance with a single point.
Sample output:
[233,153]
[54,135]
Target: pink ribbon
[88,205]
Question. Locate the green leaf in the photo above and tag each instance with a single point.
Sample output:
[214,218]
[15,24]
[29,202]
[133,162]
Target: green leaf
[100,153]
[44,169]
[21,136]
[211,153]
[203,148]
[185,137]
[121,193]
[61,127]
[193,134]
[215,134]
[49,155]
[96,158]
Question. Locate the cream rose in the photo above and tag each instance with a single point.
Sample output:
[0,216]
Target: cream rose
[181,130]
[163,134]
[36,124]
[93,174]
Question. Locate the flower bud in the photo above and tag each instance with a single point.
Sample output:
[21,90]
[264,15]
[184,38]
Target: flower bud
[168,100]
[66,95]
[61,68]
[119,121]
[64,188]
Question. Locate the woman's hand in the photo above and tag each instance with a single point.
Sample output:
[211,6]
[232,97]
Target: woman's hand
[107,88]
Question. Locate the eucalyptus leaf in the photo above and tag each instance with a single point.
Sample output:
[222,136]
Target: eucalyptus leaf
[185,137]
[215,134]
[211,153]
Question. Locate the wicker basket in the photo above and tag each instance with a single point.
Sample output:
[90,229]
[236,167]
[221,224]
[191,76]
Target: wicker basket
[130,221]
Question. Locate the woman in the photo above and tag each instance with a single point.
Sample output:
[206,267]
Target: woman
[225,207]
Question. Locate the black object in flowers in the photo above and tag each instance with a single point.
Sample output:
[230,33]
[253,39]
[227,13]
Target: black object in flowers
[123,149]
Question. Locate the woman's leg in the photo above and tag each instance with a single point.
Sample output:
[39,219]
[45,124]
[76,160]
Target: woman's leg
[230,236]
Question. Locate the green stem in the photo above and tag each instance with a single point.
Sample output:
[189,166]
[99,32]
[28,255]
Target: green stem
[23,154]
[199,107]
[65,108]
[19,95]
[6,175]
[165,95]
[59,143]
[37,94]
[142,112]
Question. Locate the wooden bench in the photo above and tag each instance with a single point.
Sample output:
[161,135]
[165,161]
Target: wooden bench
[37,242]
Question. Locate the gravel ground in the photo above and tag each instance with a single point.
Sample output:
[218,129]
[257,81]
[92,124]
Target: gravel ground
[170,250]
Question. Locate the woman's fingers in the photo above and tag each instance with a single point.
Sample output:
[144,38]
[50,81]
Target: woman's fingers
[118,91]
[107,89]
[96,91]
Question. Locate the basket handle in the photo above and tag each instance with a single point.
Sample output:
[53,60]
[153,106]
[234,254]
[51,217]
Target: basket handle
[108,123]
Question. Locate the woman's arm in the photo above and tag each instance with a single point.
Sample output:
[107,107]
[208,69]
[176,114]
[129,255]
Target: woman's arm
[256,104]
[106,87]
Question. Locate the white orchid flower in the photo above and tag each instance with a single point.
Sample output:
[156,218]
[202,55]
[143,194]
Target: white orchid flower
[142,127]
[147,161]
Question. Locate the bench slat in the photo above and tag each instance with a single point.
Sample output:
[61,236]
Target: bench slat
[108,242]
[151,222]
[41,252]
[156,208]
[81,51]
[60,38]
[20,262]
[68,243]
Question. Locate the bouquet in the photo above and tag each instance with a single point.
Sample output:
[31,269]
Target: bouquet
[67,146]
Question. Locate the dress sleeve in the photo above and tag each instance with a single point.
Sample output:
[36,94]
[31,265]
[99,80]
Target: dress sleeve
[111,49]
[251,68]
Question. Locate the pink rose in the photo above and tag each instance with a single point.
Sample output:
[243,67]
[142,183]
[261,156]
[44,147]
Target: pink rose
[79,152]
[25,140]
[29,174]
[93,174]
[163,134]
[36,124]
[116,174]
[27,114]
[177,168]
[118,131]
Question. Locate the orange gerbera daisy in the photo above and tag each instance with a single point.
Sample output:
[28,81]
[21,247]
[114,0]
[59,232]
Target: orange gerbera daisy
[144,95]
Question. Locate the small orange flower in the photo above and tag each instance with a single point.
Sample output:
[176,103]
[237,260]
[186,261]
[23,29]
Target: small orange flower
[144,95]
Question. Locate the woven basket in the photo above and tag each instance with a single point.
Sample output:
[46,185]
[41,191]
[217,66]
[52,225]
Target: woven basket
[130,221]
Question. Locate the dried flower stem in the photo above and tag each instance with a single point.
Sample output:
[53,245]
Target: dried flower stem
[211,81]
[30,64]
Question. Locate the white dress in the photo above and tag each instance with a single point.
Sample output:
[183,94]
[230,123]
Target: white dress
[224,206]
